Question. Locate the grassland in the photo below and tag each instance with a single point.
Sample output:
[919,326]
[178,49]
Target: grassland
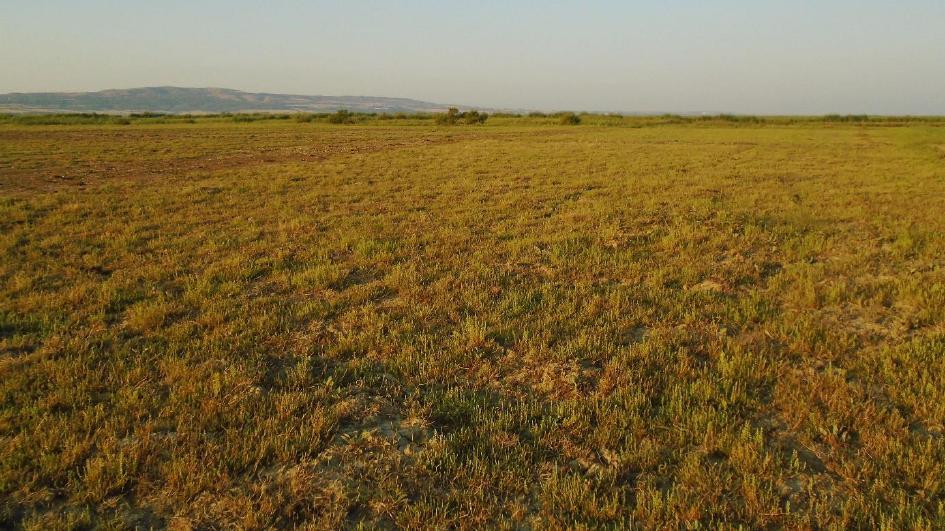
[654,322]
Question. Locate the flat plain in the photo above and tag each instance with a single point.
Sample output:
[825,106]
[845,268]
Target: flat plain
[650,322]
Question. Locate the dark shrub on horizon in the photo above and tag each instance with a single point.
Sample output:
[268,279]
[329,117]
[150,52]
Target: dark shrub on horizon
[474,117]
[450,117]
[342,116]
[453,117]
[846,118]
[569,118]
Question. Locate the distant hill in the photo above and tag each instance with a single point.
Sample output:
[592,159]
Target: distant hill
[201,100]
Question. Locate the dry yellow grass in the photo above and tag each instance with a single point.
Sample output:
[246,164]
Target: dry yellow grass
[520,324]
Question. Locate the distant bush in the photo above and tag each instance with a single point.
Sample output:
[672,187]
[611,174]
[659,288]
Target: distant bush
[256,117]
[452,117]
[342,116]
[474,117]
[675,118]
[846,118]
[536,114]
[569,118]
[734,118]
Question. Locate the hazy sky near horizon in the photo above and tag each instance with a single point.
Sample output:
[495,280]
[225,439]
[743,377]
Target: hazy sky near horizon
[770,57]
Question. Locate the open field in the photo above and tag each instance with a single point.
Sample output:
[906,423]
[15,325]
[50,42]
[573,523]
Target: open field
[648,322]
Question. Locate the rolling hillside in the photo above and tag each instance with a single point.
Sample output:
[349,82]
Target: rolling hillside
[201,100]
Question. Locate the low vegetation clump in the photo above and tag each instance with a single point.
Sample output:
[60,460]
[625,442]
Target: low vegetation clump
[341,116]
[65,119]
[733,118]
[569,118]
[656,322]
[474,117]
[246,117]
[149,115]
[403,116]
[846,118]
[453,117]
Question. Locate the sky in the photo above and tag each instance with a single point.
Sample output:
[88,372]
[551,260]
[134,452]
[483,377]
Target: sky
[740,56]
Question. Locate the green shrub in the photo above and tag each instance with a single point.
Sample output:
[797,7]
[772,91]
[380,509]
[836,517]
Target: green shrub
[342,116]
[474,117]
[569,118]
[257,117]
[846,118]
[733,118]
[453,117]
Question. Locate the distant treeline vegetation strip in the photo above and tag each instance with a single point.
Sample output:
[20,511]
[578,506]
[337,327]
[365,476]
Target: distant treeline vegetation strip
[455,117]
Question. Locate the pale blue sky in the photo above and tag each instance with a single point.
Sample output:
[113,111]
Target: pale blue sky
[764,56]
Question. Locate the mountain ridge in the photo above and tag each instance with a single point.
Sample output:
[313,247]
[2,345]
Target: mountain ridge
[181,100]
